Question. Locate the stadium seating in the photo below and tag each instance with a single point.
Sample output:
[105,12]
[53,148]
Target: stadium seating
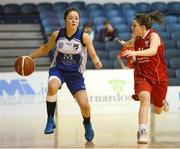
[111,45]
[160,6]
[173,8]
[142,7]
[173,81]
[177,72]
[78,4]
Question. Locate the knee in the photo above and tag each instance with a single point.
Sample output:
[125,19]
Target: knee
[52,88]
[157,111]
[144,99]
[85,107]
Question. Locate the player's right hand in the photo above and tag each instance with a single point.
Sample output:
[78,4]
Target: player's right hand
[98,65]
[122,42]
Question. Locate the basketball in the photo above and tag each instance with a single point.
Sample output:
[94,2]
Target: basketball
[24,65]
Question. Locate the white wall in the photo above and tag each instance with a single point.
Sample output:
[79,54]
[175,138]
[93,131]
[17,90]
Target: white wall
[87,1]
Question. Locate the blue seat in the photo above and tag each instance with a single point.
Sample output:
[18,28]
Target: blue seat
[1,10]
[29,8]
[89,65]
[98,28]
[129,20]
[113,54]
[164,35]
[171,73]
[142,7]
[170,19]
[130,13]
[29,13]
[171,53]
[12,13]
[13,9]
[107,64]
[173,81]
[99,45]
[98,21]
[94,6]
[50,22]
[78,4]
[110,6]
[167,62]
[178,44]
[45,6]
[116,64]
[159,28]
[122,28]
[177,72]
[111,45]
[112,13]
[175,35]
[96,13]
[178,19]
[173,8]
[160,6]
[61,6]
[170,44]
[60,14]
[117,21]
[174,63]
[83,21]
[102,54]
[47,14]
[125,36]
[126,6]
[1,14]
[61,22]
[49,29]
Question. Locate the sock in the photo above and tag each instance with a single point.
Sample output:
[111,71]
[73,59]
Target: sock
[51,106]
[143,127]
[86,120]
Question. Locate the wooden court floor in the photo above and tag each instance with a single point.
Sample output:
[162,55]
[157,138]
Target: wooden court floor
[111,131]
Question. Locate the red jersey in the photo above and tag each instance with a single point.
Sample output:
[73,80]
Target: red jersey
[150,67]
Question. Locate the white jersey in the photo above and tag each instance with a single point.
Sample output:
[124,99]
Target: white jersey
[71,54]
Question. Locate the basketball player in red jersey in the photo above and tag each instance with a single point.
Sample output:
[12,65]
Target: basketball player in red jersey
[150,72]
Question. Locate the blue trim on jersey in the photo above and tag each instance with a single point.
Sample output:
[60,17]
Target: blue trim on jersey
[77,35]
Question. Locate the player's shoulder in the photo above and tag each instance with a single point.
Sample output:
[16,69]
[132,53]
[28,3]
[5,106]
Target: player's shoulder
[55,33]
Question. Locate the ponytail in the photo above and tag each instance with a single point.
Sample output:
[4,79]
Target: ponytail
[156,16]
[149,19]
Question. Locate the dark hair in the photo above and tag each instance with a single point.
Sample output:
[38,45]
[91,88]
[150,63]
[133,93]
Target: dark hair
[87,25]
[106,22]
[148,19]
[68,10]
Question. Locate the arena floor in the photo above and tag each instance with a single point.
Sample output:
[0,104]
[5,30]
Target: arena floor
[111,131]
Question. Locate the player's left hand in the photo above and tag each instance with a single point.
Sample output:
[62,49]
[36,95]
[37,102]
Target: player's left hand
[98,65]
[128,53]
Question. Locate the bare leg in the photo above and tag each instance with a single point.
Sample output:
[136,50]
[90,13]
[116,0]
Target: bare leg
[82,99]
[144,98]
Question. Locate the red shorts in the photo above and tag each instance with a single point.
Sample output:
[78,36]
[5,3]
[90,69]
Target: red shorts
[157,90]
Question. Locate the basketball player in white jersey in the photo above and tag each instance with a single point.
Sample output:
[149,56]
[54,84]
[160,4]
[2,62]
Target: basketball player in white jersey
[68,66]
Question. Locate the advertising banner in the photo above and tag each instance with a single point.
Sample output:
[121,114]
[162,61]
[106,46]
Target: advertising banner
[109,91]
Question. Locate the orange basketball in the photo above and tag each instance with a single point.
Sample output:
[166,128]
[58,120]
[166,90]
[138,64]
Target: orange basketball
[24,65]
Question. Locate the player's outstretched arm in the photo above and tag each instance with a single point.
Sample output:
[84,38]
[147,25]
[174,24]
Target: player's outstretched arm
[92,53]
[45,48]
